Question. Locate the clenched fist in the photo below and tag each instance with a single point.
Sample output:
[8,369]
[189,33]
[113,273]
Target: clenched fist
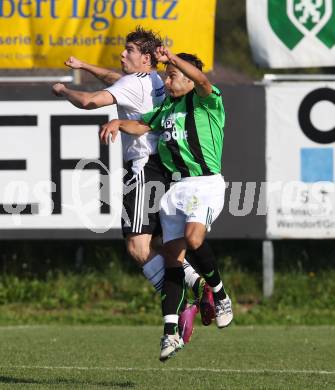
[73,63]
[58,88]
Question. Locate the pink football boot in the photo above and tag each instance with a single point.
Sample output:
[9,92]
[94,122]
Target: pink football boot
[206,305]
[185,323]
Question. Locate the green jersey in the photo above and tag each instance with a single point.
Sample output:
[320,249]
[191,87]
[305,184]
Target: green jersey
[191,133]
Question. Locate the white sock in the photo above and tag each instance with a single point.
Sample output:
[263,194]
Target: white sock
[171,319]
[217,288]
[191,276]
[154,271]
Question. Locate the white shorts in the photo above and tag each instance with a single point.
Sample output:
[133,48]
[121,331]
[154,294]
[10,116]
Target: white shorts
[192,199]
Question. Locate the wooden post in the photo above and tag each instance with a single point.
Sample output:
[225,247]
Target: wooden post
[76,76]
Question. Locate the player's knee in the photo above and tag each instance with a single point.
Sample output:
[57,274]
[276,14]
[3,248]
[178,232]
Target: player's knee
[139,253]
[193,241]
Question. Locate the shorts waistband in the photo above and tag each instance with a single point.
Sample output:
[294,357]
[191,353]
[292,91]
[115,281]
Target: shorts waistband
[207,178]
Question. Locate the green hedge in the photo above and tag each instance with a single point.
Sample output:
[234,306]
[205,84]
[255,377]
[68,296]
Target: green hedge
[115,297]
[49,282]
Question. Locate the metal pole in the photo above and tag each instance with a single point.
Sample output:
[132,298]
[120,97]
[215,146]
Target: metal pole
[79,256]
[268,268]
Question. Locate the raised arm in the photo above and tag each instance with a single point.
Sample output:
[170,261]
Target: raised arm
[83,99]
[107,76]
[201,83]
[133,127]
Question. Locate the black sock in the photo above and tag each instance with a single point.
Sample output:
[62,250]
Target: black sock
[207,265]
[173,295]
[195,288]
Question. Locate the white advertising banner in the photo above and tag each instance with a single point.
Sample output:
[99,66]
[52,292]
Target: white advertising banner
[54,173]
[300,160]
[292,33]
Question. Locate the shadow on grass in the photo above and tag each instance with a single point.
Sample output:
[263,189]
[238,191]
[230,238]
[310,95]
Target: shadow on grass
[62,381]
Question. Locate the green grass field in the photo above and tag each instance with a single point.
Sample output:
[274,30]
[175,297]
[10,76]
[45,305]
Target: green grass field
[122,357]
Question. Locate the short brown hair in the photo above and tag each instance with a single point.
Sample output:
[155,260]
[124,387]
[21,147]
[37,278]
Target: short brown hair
[147,41]
[192,59]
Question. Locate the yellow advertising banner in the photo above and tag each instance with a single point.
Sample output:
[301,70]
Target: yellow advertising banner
[44,33]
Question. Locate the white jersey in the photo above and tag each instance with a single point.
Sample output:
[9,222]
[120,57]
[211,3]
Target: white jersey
[135,95]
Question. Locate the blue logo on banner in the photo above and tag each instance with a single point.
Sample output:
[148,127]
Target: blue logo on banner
[317,164]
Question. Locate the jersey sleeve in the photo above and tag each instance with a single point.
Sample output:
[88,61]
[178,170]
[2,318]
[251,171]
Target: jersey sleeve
[211,101]
[128,92]
[154,117]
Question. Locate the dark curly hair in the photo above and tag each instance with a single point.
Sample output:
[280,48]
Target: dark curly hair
[147,41]
[192,59]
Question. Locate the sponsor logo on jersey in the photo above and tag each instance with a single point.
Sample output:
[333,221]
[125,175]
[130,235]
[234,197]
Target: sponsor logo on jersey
[172,118]
[171,132]
[168,135]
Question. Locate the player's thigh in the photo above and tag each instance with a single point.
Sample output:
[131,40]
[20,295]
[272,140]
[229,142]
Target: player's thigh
[171,218]
[195,233]
[141,197]
[207,202]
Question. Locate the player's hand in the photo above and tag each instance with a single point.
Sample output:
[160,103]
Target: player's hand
[163,54]
[73,63]
[58,88]
[110,128]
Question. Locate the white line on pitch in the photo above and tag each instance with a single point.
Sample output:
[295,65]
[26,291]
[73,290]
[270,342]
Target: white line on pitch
[173,369]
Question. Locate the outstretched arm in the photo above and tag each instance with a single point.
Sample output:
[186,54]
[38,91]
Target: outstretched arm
[107,76]
[112,128]
[201,83]
[82,99]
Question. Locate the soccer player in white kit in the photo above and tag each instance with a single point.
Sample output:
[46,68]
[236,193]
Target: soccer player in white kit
[135,93]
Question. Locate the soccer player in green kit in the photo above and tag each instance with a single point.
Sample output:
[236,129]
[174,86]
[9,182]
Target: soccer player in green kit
[190,122]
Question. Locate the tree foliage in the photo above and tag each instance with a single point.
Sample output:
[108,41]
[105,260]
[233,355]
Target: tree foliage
[231,37]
